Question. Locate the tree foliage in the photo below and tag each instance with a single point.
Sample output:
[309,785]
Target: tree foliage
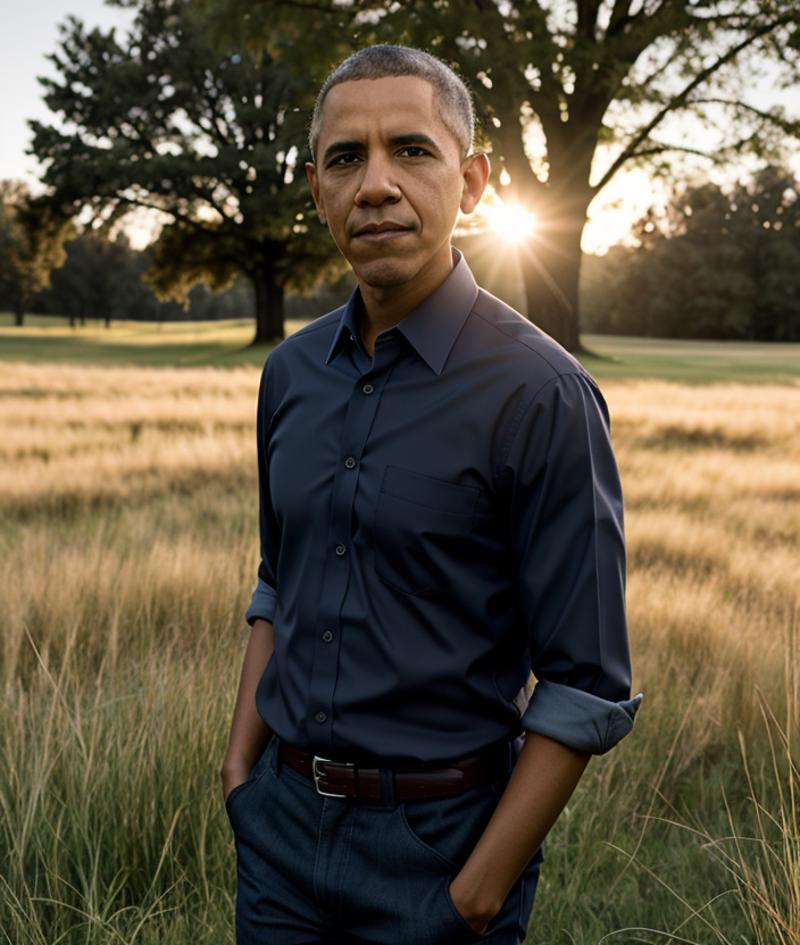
[716,264]
[159,119]
[571,92]
[32,236]
[102,279]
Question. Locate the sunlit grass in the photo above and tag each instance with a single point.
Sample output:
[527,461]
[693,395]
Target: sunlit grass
[128,551]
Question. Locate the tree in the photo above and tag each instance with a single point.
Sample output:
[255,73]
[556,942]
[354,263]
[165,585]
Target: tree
[99,279]
[32,239]
[158,119]
[566,84]
[716,264]
[102,278]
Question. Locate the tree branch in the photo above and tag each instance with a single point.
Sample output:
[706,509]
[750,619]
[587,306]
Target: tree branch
[671,147]
[716,156]
[587,17]
[793,127]
[312,7]
[620,15]
[178,217]
[679,99]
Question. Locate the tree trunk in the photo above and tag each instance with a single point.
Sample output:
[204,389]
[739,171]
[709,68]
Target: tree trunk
[551,271]
[269,307]
[22,300]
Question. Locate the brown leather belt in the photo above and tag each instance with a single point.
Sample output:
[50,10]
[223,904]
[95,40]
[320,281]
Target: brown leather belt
[411,779]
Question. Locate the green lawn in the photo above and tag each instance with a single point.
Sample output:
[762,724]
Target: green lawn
[226,343]
[691,361]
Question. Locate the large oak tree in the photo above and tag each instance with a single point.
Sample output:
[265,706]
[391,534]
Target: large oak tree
[571,92]
[158,119]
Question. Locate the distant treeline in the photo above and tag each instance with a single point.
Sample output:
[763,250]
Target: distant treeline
[101,279]
[714,264]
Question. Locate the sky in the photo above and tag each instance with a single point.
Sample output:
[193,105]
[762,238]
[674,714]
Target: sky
[34,33]
[26,35]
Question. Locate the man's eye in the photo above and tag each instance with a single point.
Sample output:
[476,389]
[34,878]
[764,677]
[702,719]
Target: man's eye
[340,159]
[417,148]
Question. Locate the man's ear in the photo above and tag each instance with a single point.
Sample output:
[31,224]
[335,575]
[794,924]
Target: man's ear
[313,182]
[475,173]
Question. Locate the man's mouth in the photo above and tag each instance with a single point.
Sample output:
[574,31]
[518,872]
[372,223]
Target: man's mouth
[382,231]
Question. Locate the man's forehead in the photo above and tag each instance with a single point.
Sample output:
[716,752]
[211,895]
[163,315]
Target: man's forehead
[386,103]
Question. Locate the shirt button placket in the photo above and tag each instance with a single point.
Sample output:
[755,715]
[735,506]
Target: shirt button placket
[358,422]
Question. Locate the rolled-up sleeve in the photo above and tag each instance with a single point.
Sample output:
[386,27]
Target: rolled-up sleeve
[567,537]
[264,599]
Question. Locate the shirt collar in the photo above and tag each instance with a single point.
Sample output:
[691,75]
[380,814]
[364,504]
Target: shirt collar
[431,327]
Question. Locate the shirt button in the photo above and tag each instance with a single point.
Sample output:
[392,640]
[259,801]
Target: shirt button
[368,388]
[327,636]
[320,716]
[350,462]
[340,549]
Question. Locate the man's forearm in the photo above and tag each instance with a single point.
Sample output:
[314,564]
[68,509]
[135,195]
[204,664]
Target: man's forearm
[544,777]
[249,733]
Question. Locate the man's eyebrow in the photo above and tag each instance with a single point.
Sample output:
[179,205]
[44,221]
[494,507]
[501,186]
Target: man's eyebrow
[340,147]
[414,138]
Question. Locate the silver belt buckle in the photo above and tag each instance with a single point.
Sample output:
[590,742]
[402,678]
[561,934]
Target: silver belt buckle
[317,774]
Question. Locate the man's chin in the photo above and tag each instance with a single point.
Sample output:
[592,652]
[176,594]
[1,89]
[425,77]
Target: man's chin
[383,273]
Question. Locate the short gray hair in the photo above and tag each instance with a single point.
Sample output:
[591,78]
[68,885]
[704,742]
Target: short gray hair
[385,59]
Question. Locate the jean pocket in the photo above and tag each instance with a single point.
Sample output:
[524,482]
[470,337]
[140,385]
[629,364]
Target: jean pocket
[472,935]
[424,845]
[255,774]
[234,793]
[447,828]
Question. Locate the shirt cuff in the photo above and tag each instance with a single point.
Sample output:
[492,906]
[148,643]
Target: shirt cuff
[577,718]
[263,603]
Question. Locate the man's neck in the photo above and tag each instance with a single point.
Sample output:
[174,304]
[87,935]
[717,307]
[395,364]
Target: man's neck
[385,307]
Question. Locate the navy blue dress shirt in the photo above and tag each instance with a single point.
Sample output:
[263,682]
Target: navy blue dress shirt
[441,526]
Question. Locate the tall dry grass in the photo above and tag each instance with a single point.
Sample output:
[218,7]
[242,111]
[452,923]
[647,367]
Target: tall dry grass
[128,547]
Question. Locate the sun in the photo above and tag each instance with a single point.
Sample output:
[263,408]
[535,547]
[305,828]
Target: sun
[510,221]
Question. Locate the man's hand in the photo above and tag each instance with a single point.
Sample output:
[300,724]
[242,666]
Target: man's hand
[477,915]
[232,777]
[544,777]
[249,734]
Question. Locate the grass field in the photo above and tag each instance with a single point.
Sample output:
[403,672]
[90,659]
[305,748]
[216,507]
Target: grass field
[128,548]
[226,344]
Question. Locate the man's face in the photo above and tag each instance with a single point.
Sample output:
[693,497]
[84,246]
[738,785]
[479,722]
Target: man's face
[386,160]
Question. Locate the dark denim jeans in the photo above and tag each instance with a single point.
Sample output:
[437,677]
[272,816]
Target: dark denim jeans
[358,871]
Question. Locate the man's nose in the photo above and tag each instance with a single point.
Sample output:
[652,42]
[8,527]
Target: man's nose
[377,183]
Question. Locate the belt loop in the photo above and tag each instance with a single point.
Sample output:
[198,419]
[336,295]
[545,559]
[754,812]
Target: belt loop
[277,756]
[388,786]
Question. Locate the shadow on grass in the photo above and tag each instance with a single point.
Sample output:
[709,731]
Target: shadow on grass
[82,350]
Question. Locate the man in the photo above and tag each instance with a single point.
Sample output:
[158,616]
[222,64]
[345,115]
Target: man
[440,514]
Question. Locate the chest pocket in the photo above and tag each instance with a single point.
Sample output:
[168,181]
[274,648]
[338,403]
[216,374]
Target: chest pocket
[420,527]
